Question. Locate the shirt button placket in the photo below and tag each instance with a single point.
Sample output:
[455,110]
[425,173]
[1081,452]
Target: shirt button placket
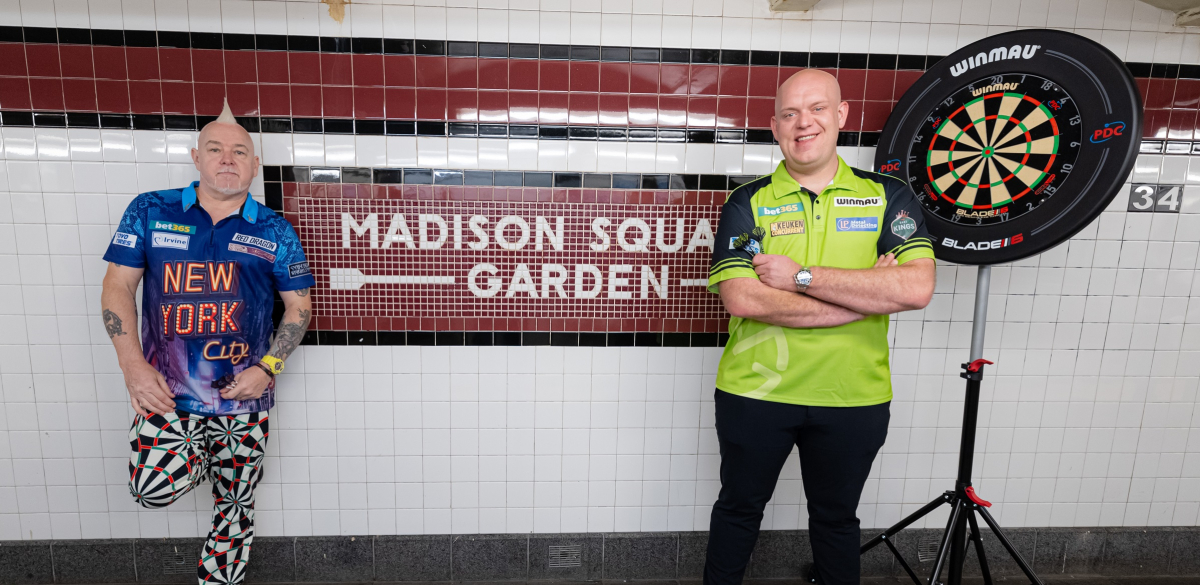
[818,228]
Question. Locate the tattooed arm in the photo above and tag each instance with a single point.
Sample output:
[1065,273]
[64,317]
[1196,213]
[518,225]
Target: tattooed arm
[296,315]
[251,382]
[148,391]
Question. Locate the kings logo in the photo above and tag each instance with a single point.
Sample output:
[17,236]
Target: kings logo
[904,226]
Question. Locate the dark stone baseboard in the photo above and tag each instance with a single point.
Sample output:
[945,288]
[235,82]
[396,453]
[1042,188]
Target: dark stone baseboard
[575,557]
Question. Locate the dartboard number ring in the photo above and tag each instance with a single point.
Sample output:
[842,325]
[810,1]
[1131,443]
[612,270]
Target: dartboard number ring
[1013,151]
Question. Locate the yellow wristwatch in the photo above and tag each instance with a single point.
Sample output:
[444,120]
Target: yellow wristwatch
[274,364]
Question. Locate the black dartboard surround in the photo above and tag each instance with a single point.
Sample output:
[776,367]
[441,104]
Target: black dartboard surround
[1014,143]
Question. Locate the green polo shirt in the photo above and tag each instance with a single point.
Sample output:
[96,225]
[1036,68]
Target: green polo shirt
[858,217]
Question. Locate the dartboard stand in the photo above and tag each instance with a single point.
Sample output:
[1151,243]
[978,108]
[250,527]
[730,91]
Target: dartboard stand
[1012,145]
[964,503]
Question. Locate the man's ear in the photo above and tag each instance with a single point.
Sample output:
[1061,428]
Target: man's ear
[843,114]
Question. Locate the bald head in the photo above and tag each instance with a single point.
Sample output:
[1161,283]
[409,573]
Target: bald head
[809,112]
[808,81]
[224,155]
[220,131]
[226,127]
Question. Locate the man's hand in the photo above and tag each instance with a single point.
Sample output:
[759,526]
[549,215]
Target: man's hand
[776,271]
[248,385]
[148,390]
[886,260]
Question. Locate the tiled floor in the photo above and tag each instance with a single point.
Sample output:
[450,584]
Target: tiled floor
[1052,580]
[1009,580]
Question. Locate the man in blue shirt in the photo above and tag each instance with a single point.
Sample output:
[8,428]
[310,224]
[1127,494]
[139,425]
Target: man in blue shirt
[202,377]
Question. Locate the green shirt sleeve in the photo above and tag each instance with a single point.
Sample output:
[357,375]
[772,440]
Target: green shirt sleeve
[904,233]
[737,217]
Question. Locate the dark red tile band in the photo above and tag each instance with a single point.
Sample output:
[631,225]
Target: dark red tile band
[191,81]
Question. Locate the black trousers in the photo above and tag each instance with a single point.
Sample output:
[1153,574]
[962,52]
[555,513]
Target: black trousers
[837,446]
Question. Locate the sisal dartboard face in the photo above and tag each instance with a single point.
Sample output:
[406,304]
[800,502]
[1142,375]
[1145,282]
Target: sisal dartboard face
[1014,143]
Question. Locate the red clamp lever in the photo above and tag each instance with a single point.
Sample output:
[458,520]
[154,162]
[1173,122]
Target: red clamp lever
[976,365]
[971,491]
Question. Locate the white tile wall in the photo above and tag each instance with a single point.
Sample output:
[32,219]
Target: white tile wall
[1088,419]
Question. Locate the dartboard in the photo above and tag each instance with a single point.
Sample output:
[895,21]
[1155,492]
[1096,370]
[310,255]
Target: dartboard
[1014,143]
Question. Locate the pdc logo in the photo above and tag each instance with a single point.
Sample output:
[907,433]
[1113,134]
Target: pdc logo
[891,166]
[1110,130]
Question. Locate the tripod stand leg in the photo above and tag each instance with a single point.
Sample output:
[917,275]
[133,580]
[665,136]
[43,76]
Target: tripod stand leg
[901,525]
[1012,551]
[903,563]
[958,548]
[945,546]
[978,538]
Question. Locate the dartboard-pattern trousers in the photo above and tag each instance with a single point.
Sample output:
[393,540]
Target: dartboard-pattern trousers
[174,453]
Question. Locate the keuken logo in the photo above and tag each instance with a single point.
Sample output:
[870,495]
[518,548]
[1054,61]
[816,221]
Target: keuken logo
[981,246]
[997,54]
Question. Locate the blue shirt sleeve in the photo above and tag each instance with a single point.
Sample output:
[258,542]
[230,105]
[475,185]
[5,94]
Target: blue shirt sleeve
[291,267]
[128,245]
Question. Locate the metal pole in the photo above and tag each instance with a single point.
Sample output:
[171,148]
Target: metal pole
[982,283]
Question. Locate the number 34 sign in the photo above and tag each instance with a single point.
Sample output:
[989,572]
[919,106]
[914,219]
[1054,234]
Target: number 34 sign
[1155,198]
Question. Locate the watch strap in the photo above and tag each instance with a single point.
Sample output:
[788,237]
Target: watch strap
[266,369]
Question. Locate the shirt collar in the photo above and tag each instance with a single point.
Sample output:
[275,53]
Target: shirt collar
[785,184]
[249,209]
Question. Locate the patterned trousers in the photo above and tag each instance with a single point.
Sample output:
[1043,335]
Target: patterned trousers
[172,454]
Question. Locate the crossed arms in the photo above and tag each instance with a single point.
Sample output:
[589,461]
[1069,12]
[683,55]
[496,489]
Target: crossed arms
[835,297]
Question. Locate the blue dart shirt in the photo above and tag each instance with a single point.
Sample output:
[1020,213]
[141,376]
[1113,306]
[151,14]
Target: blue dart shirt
[207,290]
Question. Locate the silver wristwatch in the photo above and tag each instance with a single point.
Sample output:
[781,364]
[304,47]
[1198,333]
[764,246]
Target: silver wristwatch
[803,278]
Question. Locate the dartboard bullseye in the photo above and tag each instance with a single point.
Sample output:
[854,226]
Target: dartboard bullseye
[997,143]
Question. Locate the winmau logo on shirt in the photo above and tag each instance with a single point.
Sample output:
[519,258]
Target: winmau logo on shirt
[857,201]
[253,241]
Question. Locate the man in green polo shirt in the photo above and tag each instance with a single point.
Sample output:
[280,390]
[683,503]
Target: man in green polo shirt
[810,261]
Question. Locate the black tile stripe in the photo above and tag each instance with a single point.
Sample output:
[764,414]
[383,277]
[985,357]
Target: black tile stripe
[369,46]
[1169,147]
[516,338]
[235,42]
[415,128]
[454,129]
[273,175]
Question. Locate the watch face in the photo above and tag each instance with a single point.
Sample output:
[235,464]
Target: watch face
[1014,143]
[274,364]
